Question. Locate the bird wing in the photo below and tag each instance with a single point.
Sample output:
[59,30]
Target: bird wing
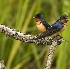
[45,24]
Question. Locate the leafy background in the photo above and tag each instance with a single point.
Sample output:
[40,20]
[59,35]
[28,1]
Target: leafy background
[19,14]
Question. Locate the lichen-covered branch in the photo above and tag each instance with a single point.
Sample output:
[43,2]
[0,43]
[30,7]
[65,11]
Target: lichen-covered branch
[16,34]
[50,54]
[51,51]
[27,38]
[2,66]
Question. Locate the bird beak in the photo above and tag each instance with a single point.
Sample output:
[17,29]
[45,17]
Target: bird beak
[67,19]
[34,17]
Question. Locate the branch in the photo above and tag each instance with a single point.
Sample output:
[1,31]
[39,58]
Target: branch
[50,55]
[52,50]
[27,38]
[2,66]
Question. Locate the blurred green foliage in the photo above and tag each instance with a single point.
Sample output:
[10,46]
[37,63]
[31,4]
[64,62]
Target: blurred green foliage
[18,14]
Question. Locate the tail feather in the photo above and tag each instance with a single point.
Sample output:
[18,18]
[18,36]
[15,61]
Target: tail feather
[44,34]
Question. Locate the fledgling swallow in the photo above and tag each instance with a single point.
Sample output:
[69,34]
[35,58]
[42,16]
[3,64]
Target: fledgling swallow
[56,28]
[41,24]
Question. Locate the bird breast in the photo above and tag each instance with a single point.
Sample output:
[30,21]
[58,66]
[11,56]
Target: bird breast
[40,27]
[63,28]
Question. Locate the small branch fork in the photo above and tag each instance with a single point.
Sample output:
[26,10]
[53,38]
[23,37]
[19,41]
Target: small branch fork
[27,38]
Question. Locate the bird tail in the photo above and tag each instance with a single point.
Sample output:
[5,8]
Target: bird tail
[44,34]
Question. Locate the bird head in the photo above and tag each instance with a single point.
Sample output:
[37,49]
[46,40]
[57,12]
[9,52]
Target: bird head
[64,18]
[38,17]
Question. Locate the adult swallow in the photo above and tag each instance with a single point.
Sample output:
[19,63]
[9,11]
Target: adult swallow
[56,28]
[41,24]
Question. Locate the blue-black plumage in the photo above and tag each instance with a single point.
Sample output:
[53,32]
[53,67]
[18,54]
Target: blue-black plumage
[54,29]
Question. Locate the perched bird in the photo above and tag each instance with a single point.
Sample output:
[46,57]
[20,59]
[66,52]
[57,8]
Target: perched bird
[56,28]
[41,24]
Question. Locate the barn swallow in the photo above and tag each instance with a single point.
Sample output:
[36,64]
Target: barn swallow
[41,24]
[56,28]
